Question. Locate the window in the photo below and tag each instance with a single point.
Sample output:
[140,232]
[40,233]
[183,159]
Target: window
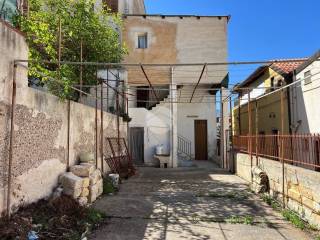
[143,41]
[307,77]
[272,84]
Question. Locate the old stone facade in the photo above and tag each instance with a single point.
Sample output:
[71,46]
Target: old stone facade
[301,186]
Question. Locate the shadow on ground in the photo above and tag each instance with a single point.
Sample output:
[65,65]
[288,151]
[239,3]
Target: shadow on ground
[191,203]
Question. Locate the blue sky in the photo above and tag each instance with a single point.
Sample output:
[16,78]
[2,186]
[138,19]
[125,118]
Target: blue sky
[259,29]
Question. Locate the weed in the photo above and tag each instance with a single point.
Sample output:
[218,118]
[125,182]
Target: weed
[195,219]
[267,199]
[108,186]
[248,220]
[271,202]
[94,216]
[313,228]
[317,238]
[292,217]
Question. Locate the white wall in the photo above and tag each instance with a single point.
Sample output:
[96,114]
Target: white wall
[188,113]
[306,101]
[156,124]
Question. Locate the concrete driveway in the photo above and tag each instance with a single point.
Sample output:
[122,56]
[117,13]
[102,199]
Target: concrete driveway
[192,203]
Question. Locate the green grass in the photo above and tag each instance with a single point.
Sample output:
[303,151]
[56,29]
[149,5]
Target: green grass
[248,220]
[292,217]
[289,215]
[317,238]
[94,216]
[271,202]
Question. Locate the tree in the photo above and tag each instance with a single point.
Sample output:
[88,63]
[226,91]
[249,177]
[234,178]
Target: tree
[97,30]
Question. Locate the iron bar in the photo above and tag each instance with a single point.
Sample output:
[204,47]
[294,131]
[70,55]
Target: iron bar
[194,90]
[250,135]
[257,133]
[146,76]
[68,134]
[13,103]
[270,147]
[118,118]
[231,135]
[105,64]
[60,43]
[96,120]
[101,130]
[81,68]
[282,148]
[107,90]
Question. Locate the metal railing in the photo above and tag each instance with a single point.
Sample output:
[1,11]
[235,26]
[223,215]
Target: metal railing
[300,150]
[184,147]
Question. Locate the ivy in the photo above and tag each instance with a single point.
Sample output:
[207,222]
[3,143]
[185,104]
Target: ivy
[81,21]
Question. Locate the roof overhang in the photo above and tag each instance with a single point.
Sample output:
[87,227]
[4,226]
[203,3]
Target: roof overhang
[180,16]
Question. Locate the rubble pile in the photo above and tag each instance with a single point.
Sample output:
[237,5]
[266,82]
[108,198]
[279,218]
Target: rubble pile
[84,183]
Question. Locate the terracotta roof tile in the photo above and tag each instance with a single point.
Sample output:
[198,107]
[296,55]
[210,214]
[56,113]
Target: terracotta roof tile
[287,67]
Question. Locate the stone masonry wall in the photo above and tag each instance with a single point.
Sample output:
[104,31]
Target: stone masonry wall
[302,186]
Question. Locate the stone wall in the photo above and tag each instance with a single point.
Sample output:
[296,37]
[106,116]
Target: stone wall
[40,130]
[302,186]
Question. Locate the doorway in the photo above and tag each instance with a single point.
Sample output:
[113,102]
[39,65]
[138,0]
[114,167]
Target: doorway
[201,139]
[137,145]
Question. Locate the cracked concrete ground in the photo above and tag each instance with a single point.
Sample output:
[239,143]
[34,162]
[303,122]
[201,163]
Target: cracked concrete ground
[190,203]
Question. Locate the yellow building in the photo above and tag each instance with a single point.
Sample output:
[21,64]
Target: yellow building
[267,118]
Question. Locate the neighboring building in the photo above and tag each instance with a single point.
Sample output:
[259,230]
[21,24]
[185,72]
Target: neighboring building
[265,79]
[305,101]
[174,39]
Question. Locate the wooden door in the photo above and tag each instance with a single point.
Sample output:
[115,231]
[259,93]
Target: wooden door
[201,139]
[137,145]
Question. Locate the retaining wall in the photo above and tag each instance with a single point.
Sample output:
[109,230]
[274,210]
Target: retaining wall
[302,186]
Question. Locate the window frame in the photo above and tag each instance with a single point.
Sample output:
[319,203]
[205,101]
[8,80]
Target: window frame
[145,39]
[307,77]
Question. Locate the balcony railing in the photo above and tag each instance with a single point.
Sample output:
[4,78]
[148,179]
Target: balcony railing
[299,150]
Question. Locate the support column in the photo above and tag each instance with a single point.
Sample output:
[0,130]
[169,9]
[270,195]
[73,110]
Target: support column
[224,126]
[173,125]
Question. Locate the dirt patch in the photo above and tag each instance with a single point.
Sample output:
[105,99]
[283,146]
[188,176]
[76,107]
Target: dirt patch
[62,218]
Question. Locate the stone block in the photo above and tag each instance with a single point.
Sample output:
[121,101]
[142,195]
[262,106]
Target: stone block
[72,192]
[95,191]
[92,197]
[88,164]
[85,192]
[86,157]
[83,201]
[86,182]
[100,187]
[95,177]
[71,181]
[82,170]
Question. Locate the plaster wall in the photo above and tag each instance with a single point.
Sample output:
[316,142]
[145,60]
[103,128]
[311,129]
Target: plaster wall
[188,113]
[40,130]
[302,186]
[305,100]
[174,39]
[156,124]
